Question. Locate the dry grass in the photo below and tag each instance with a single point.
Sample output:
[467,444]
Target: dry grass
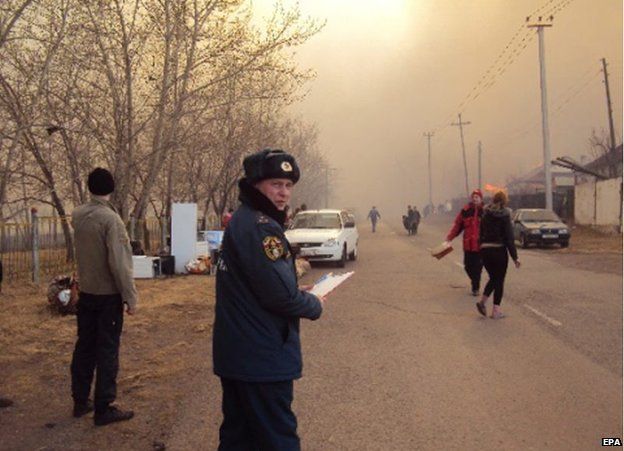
[586,240]
[161,345]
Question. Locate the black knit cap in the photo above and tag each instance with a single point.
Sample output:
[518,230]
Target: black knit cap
[101,182]
[271,164]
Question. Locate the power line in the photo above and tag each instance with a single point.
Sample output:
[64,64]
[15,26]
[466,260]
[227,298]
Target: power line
[512,50]
[486,76]
[574,94]
[561,101]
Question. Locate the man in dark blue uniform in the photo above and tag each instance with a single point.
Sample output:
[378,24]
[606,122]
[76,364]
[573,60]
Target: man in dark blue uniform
[256,347]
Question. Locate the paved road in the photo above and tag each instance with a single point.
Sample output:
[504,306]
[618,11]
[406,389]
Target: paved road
[401,360]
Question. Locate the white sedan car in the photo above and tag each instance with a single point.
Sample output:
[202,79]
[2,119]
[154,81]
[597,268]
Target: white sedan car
[324,235]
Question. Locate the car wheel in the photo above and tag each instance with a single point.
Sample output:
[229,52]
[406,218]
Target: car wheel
[523,241]
[353,255]
[343,259]
[564,244]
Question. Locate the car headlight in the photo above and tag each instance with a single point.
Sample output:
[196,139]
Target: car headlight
[331,242]
[535,232]
[564,231]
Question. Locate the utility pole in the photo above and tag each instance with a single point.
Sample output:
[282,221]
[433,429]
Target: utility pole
[545,130]
[611,130]
[328,171]
[609,109]
[461,124]
[326,187]
[429,135]
[479,166]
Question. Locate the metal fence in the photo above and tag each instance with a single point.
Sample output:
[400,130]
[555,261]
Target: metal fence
[563,202]
[34,249]
[37,250]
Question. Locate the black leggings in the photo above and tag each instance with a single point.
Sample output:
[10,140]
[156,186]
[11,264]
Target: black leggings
[495,261]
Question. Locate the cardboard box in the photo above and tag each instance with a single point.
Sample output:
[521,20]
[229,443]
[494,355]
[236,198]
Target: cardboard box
[442,250]
[145,267]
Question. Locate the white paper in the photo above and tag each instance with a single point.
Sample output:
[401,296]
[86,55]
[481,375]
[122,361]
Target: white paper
[328,283]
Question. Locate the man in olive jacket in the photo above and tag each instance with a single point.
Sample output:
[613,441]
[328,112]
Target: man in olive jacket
[104,259]
[256,347]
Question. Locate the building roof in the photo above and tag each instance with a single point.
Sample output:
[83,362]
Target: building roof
[613,158]
[536,176]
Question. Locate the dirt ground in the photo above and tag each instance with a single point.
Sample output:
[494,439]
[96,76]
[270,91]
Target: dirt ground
[587,240]
[162,344]
[163,347]
[590,250]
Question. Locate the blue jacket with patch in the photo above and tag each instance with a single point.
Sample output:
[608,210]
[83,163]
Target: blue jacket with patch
[258,306]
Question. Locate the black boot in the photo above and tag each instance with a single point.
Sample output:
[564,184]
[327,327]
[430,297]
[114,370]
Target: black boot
[112,415]
[82,408]
[5,402]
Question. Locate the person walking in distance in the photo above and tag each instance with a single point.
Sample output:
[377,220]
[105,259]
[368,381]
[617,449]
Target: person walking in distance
[104,261]
[497,240]
[256,345]
[468,221]
[409,218]
[373,215]
[416,221]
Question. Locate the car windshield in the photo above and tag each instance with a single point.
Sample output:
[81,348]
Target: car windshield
[316,221]
[540,216]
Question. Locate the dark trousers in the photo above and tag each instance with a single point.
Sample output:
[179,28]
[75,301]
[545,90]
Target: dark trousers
[100,320]
[374,225]
[473,266]
[495,261]
[258,417]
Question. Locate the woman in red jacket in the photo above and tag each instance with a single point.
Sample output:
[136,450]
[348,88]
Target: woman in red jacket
[468,221]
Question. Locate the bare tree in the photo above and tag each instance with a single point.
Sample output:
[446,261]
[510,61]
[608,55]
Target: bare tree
[171,95]
[600,148]
[23,82]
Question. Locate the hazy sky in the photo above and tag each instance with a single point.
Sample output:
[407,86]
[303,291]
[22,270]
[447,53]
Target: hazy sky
[390,70]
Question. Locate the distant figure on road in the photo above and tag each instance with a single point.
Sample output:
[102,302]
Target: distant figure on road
[373,215]
[415,220]
[468,221]
[407,219]
[104,261]
[497,239]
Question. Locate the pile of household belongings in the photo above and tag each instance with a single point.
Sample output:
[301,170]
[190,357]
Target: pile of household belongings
[199,265]
[63,294]
[441,250]
[302,266]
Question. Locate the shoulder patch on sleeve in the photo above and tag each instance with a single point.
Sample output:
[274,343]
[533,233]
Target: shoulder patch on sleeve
[273,247]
